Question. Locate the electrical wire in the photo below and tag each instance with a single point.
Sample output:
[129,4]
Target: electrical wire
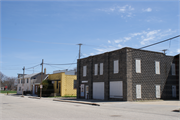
[160,42]
[59,64]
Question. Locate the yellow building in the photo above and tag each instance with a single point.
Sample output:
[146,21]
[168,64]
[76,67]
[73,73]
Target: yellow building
[64,85]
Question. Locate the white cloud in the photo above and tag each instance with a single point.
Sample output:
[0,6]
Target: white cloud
[120,46]
[178,50]
[109,41]
[126,38]
[147,10]
[91,53]
[118,41]
[126,9]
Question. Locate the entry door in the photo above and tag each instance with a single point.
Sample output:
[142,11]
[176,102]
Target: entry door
[82,90]
[87,91]
[173,91]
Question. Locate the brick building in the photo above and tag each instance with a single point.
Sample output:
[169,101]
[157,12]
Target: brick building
[126,74]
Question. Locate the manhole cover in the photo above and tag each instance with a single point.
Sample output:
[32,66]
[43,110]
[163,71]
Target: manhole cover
[115,115]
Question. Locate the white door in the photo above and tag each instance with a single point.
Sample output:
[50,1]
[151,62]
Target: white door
[82,90]
[87,91]
[138,91]
[173,91]
[157,91]
[98,90]
[116,89]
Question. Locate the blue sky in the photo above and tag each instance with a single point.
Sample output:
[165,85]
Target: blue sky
[50,30]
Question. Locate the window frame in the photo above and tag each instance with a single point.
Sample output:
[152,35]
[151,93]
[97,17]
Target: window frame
[101,68]
[173,69]
[137,59]
[157,71]
[84,71]
[114,66]
[95,69]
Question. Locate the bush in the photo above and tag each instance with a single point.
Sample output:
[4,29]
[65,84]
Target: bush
[47,89]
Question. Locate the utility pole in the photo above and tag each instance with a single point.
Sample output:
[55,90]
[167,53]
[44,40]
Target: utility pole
[22,81]
[41,78]
[79,49]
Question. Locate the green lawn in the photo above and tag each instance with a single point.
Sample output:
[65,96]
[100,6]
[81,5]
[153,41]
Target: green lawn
[8,91]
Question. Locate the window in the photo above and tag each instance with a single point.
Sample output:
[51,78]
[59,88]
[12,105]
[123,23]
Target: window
[18,81]
[101,68]
[138,66]
[173,70]
[157,67]
[75,84]
[116,66]
[19,88]
[138,91]
[95,69]
[27,80]
[84,71]
[158,91]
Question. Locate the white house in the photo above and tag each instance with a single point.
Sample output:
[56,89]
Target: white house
[26,84]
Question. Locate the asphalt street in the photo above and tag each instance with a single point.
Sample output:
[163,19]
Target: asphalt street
[19,108]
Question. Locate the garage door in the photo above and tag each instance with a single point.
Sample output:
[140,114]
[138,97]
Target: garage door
[98,90]
[116,89]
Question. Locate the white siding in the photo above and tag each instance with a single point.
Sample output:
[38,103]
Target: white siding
[116,89]
[84,70]
[158,91]
[116,66]
[101,68]
[95,69]
[138,91]
[138,66]
[157,67]
[173,70]
[98,90]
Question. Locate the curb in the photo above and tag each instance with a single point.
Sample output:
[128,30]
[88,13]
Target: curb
[88,103]
[35,97]
[16,95]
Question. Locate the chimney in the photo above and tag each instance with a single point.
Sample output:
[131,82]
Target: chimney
[44,70]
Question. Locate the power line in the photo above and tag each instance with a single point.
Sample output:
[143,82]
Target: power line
[59,64]
[32,67]
[160,42]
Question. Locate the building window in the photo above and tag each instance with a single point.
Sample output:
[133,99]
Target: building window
[19,88]
[138,91]
[157,67]
[173,70]
[27,80]
[101,68]
[95,69]
[116,66]
[18,81]
[158,90]
[138,66]
[75,84]
[84,71]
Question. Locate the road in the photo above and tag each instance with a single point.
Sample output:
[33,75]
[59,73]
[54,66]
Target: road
[18,108]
